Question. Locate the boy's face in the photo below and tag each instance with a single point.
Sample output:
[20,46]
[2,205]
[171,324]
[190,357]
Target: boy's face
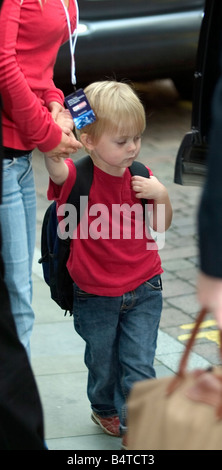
[114,152]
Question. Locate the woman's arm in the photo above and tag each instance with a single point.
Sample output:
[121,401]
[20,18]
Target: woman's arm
[19,101]
[23,107]
[53,94]
[151,188]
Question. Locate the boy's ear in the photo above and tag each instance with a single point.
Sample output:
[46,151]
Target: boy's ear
[87,141]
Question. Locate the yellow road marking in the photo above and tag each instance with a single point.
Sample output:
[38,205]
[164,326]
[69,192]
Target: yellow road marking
[211,335]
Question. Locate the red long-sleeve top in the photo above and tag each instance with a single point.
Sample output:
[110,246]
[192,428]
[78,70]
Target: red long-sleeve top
[30,37]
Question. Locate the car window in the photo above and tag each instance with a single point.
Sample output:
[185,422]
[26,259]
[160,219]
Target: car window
[103,9]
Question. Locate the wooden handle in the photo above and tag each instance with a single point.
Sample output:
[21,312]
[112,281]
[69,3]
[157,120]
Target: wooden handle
[174,383]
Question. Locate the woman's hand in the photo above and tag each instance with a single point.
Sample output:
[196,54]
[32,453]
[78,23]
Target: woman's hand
[61,116]
[55,108]
[65,121]
[67,145]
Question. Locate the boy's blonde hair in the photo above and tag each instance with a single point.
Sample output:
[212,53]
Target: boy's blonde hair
[117,109]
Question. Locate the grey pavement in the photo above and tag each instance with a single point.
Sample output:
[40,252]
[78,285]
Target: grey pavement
[58,352]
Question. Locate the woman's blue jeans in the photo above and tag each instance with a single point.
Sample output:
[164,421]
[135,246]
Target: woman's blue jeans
[121,336]
[18,224]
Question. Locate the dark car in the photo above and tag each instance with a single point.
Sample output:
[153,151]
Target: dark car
[190,168]
[135,40]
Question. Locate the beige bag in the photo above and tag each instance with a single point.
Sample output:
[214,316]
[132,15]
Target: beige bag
[177,413]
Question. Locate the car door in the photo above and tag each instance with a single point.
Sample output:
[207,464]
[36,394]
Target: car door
[190,167]
[133,39]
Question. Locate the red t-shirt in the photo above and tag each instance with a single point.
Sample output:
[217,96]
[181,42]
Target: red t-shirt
[114,259]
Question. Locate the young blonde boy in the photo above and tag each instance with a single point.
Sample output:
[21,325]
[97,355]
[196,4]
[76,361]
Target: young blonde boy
[117,283]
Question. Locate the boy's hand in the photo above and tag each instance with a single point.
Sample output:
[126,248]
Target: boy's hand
[148,188]
[151,188]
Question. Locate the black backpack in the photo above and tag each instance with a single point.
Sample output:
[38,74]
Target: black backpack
[55,250]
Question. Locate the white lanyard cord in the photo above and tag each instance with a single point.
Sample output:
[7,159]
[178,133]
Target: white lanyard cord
[72,39]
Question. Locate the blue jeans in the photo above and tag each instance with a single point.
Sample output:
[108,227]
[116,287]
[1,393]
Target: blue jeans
[120,335]
[18,223]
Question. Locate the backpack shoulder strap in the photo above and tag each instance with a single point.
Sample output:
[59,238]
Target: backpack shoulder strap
[84,177]
[138,168]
